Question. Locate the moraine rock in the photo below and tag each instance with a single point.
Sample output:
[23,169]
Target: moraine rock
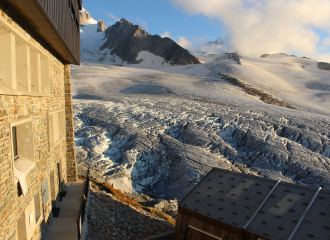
[101,26]
[323,65]
[127,41]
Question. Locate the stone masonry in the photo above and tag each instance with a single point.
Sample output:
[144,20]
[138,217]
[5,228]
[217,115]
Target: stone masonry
[70,144]
[36,108]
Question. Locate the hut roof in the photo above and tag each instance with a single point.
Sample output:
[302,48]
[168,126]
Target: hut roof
[263,207]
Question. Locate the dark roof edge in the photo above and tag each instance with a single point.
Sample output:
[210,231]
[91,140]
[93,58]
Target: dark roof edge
[244,174]
[29,29]
[41,9]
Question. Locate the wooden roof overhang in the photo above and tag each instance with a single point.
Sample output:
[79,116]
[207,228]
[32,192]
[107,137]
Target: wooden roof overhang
[53,21]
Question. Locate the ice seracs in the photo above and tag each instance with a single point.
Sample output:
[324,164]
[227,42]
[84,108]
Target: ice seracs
[158,128]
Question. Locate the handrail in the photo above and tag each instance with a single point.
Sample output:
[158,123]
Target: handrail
[82,208]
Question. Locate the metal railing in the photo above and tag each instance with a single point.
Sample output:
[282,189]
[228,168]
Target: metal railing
[83,208]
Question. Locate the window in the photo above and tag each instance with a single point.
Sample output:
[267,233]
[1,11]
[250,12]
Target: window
[56,129]
[24,69]
[44,193]
[37,206]
[22,152]
[22,140]
[15,152]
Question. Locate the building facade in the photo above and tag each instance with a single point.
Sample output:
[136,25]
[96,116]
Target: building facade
[39,39]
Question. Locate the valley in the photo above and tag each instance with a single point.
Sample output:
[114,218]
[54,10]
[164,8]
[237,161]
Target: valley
[155,132]
[156,128]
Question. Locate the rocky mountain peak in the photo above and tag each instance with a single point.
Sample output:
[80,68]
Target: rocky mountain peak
[101,26]
[84,17]
[124,20]
[127,40]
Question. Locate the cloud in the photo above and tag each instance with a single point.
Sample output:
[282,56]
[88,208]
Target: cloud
[214,48]
[165,34]
[200,39]
[326,42]
[143,23]
[184,42]
[109,15]
[268,26]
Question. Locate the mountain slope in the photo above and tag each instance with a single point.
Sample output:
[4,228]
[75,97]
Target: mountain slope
[127,40]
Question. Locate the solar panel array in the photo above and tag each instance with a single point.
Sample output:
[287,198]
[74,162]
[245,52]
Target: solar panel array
[316,222]
[260,206]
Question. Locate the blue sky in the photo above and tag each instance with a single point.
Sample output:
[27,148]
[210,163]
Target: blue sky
[157,16]
[252,27]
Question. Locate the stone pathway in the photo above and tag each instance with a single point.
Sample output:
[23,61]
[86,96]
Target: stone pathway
[64,227]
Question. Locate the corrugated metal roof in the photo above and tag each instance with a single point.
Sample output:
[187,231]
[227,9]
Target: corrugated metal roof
[316,223]
[282,211]
[290,210]
[228,197]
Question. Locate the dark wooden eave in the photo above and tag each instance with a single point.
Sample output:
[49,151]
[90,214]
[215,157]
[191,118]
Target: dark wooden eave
[52,21]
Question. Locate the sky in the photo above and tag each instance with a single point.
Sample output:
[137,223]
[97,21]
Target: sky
[250,27]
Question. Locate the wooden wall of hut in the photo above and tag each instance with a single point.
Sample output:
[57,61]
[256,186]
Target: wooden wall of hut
[209,225]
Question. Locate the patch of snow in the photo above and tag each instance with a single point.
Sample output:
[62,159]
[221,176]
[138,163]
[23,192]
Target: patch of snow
[91,21]
[149,59]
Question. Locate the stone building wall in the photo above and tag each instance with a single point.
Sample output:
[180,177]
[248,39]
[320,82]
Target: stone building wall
[36,108]
[70,143]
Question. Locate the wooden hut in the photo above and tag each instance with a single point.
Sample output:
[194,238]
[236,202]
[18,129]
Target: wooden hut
[235,206]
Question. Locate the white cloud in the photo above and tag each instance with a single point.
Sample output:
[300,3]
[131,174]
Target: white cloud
[326,42]
[142,23]
[267,26]
[109,15]
[184,42]
[200,39]
[165,34]
[210,48]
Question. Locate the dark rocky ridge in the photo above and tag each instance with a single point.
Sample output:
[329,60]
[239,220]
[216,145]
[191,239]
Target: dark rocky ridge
[127,41]
[323,65]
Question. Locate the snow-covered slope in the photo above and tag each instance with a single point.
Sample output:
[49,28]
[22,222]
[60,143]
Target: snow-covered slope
[158,130]
[296,80]
[91,40]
